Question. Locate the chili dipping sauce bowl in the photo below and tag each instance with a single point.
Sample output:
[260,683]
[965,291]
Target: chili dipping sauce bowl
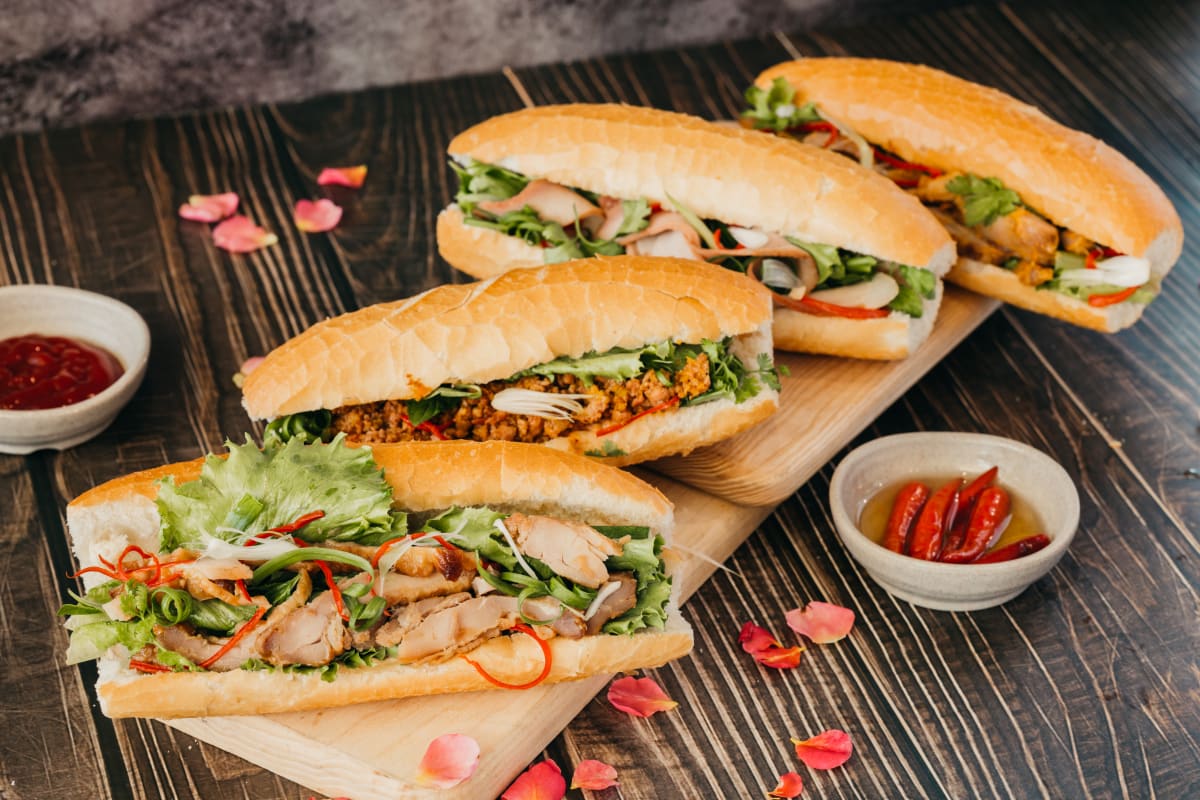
[89,318]
[1028,473]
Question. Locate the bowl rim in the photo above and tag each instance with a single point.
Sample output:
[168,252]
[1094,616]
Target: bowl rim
[133,371]
[1040,562]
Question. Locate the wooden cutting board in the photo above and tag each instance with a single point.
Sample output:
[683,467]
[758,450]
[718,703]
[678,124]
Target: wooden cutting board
[371,751]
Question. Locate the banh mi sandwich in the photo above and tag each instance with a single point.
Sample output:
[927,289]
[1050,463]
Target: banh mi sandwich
[1046,218]
[853,263]
[605,358]
[305,576]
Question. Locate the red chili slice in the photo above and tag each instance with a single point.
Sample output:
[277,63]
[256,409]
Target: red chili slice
[991,510]
[823,309]
[147,666]
[827,127]
[908,504]
[899,163]
[300,522]
[930,528]
[1102,300]
[1030,544]
[233,640]
[334,590]
[546,655]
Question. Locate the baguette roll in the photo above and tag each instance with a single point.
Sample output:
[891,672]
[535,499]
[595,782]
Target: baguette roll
[676,162]
[482,333]
[424,477]
[1076,182]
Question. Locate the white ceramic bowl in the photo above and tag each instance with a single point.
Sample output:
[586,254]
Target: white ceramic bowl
[1032,475]
[89,317]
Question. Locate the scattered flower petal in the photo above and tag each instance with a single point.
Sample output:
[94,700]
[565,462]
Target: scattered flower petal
[779,658]
[343,176]
[754,639]
[766,649]
[448,761]
[209,207]
[542,781]
[826,750]
[594,775]
[318,217]
[821,622]
[641,697]
[790,785]
[240,235]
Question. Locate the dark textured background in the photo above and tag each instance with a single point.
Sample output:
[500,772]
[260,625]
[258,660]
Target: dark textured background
[66,62]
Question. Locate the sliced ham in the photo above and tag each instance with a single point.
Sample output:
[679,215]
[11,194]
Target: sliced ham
[550,201]
[671,244]
[571,549]
[660,223]
[614,215]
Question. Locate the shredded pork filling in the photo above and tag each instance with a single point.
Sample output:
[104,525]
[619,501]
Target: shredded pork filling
[610,402]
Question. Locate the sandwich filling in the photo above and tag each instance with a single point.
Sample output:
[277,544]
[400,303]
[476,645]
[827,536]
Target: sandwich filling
[569,222]
[988,221]
[597,392]
[293,558]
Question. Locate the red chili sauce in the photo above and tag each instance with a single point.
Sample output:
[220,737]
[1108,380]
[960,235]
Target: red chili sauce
[50,371]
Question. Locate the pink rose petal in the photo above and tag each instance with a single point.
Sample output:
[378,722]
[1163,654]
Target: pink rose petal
[542,781]
[318,217]
[790,785]
[641,697]
[594,775]
[448,761]
[343,176]
[821,622]
[240,235]
[766,649]
[826,750]
[209,207]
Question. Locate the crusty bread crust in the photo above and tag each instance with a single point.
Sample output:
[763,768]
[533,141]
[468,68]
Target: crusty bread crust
[930,117]
[1004,284]
[718,171]
[487,253]
[513,659]
[886,338]
[474,333]
[425,476]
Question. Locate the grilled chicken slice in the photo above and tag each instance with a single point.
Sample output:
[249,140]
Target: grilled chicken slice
[312,635]
[419,562]
[566,622]
[571,549]
[616,602]
[1024,234]
[184,640]
[449,629]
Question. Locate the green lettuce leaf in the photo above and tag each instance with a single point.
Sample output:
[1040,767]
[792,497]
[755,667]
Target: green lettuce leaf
[479,183]
[90,641]
[440,400]
[650,611]
[984,199]
[289,481]
[219,617]
[474,529]
[773,110]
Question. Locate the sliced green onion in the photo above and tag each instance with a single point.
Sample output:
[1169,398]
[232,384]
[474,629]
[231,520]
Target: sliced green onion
[310,554]
[695,222]
[495,582]
[172,606]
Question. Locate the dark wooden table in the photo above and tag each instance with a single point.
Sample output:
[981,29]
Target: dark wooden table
[1087,685]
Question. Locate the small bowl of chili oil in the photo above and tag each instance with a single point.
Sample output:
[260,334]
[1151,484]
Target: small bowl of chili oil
[69,362]
[1041,502]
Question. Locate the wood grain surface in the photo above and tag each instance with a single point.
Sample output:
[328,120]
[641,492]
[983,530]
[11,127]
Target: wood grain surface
[1084,686]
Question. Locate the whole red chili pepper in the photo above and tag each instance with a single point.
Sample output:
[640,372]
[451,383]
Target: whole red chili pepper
[930,528]
[966,506]
[908,503]
[985,520]
[1030,544]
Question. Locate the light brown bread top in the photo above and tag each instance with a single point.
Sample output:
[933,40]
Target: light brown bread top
[479,332]
[933,118]
[719,171]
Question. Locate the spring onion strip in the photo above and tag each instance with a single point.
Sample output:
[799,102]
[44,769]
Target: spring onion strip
[310,554]
[705,558]
[393,555]
[697,224]
[548,405]
[493,581]
[520,559]
[267,549]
